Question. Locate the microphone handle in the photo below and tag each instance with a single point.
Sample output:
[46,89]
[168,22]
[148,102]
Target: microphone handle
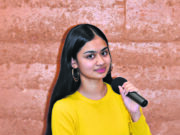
[137,98]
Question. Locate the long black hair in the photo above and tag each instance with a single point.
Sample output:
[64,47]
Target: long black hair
[76,38]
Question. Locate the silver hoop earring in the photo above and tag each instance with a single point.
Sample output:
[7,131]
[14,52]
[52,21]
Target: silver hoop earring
[75,74]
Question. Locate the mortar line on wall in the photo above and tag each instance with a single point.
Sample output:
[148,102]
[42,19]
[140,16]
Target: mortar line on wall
[145,41]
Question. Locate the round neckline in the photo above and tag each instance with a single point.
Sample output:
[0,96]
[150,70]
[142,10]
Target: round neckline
[84,98]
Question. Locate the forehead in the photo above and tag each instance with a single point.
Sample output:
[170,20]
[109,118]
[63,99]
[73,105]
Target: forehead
[97,44]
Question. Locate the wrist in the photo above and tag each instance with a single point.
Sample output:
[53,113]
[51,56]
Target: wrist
[135,116]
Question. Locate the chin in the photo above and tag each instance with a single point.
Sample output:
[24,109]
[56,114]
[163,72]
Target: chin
[96,76]
[101,76]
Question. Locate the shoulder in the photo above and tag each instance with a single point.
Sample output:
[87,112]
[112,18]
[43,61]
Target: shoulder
[63,109]
[63,116]
[63,104]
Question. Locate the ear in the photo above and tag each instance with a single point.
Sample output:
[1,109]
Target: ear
[74,63]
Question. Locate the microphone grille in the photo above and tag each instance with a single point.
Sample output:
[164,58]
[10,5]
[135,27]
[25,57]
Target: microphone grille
[116,82]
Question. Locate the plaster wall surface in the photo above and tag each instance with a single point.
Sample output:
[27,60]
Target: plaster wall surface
[144,39]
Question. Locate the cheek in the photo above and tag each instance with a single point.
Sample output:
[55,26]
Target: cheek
[108,60]
[86,65]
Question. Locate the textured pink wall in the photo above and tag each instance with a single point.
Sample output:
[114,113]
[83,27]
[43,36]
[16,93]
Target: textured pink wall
[145,43]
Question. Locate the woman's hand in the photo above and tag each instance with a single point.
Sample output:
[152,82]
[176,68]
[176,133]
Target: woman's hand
[132,107]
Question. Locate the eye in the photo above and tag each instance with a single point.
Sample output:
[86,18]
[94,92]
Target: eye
[91,56]
[105,53]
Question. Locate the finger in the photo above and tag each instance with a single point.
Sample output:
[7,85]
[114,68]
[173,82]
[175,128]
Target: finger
[125,84]
[129,87]
[122,91]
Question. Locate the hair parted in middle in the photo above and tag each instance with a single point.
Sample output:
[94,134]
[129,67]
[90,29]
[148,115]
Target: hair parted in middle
[76,38]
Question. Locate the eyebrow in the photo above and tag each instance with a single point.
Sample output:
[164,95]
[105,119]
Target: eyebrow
[96,51]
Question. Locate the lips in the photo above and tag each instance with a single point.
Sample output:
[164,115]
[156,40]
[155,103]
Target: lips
[101,70]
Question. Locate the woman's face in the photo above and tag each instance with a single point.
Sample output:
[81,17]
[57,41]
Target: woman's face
[93,60]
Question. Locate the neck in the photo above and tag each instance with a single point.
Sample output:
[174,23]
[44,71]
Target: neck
[93,89]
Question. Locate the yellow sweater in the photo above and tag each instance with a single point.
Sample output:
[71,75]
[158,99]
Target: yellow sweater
[78,115]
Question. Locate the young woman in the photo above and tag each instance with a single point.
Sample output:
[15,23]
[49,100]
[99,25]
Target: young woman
[83,102]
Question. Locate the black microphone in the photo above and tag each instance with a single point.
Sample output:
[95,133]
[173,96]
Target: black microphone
[132,95]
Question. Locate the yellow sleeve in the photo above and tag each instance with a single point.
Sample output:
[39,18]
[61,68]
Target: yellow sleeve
[63,119]
[139,127]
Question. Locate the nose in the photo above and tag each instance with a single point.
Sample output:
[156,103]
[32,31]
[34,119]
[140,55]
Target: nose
[100,60]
